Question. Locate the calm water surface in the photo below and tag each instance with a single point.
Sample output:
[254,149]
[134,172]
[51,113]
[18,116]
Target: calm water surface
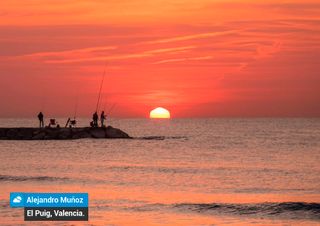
[194,172]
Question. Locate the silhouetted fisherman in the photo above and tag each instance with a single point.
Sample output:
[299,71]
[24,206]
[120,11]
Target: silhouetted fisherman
[95,118]
[102,118]
[40,117]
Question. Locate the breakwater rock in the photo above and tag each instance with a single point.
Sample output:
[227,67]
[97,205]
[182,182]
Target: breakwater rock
[60,133]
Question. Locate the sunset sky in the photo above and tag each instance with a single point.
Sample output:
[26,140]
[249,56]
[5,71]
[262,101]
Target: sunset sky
[197,58]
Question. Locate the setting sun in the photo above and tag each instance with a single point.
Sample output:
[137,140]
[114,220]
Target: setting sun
[159,113]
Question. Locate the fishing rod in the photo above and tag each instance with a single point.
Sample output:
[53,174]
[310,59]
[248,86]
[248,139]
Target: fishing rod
[111,108]
[101,85]
[104,103]
[76,106]
[72,123]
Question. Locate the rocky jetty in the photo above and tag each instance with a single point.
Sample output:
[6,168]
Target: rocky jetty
[60,133]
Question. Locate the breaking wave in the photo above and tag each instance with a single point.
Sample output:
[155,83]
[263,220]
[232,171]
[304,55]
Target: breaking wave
[282,210]
[161,137]
[296,210]
[31,178]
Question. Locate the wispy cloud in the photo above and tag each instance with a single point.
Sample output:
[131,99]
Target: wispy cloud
[103,58]
[191,37]
[183,59]
[74,57]
[267,51]
[72,51]
[175,49]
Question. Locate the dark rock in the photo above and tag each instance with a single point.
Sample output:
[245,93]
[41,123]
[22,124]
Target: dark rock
[81,134]
[39,134]
[98,132]
[52,133]
[64,133]
[25,133]
[3,133]
[115,133]
[12,134]
[60,133]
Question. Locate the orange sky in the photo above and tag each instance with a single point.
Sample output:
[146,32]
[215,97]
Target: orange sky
[198,58]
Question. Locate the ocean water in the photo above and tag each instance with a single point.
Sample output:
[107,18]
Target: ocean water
[175,172]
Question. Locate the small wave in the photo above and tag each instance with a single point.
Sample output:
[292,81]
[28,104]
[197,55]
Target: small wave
[30,178]
[283,210]
[161,137]
[297,210]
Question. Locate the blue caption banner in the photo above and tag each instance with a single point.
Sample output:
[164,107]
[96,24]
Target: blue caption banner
[21,199]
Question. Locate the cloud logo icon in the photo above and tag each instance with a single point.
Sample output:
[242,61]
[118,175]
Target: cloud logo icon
[17,199]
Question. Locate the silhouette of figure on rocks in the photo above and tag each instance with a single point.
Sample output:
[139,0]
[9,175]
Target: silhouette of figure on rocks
[102,118]
[41,121]
[95,118]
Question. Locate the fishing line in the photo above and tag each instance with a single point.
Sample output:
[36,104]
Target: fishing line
[101,85]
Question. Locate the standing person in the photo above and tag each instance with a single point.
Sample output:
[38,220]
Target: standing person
[102,118]
[40,117]
[95,118]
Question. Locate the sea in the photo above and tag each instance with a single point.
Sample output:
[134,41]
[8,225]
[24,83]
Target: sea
[217,171]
